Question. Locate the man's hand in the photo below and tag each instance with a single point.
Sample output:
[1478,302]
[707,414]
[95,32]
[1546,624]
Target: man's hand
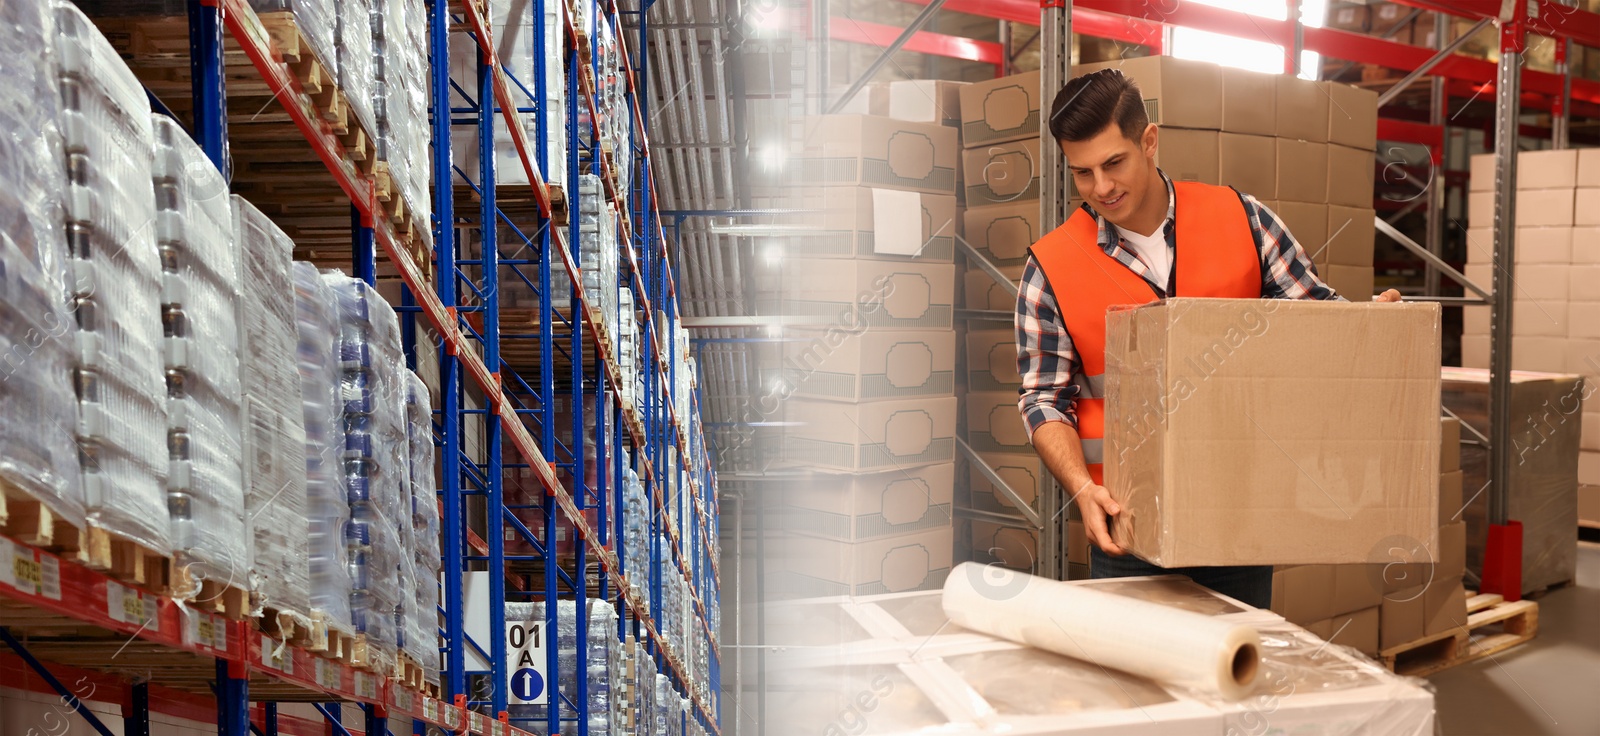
[1095,502]
[1388,296]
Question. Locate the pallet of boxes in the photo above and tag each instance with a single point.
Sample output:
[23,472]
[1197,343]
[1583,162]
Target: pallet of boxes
[871,407]
[1000,188]
[1555,355]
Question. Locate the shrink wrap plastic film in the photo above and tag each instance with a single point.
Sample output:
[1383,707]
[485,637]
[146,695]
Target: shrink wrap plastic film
[514,27]
[200,319]
[116,272]
[400,73]
[931,675]
[317,22]
[327,510]
[38,453]
[602,665]
[425,522]
[355,50]
[407,621]
[376,469]
[274,431]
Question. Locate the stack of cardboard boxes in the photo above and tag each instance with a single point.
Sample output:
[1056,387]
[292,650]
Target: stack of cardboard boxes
[1556,248]
[1374,607]
[872,377]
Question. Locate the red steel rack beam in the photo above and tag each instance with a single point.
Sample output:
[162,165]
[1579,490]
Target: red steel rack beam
[922,42]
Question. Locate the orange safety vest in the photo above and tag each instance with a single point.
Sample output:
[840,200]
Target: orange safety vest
[1216,257]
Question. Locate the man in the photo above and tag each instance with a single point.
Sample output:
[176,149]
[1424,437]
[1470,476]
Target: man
[1139,237]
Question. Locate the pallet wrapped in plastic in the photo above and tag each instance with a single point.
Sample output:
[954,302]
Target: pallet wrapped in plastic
[516,30]
[274,430]
[600,663]
[401,71]
[327,510]
[200,319]
[425,525]
[38,455]
[116,283]
[355,50]
[317,22]
[376,472]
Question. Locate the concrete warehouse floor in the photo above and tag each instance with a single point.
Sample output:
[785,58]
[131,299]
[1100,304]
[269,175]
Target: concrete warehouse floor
[1550,685]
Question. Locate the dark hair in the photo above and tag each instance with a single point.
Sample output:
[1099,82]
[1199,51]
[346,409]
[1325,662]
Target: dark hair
[1090,103]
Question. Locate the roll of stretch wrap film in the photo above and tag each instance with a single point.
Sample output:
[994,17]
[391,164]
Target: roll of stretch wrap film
[1168,645]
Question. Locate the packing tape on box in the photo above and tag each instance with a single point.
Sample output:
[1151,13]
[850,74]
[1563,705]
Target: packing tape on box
[1168,645]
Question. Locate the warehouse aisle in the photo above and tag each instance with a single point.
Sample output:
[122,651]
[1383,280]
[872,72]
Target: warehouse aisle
[1544,687]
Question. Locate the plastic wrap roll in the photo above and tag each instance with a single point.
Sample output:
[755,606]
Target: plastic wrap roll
[1165,644]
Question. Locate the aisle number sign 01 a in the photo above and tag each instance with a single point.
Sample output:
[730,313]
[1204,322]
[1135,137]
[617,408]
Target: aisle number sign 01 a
[525,662]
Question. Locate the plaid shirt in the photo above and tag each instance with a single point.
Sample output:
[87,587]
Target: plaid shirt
[1045,355]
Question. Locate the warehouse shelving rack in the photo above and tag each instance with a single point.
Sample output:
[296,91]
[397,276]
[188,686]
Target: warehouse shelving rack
[190,650]
[1146,24]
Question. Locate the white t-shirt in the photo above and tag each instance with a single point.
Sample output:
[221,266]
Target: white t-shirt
[1153,250]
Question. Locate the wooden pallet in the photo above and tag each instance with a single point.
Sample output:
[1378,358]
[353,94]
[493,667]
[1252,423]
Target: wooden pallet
[370,658]
[1493,626]
[331,640]
[30,521]
[126,560]
[227,598]
[409,672]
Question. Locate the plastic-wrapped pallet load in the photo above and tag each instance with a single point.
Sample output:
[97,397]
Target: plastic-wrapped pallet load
[400,74]
[426,526]
[327,511]
[354,34]
[116,285]
[200,314]
[274,430]
[38,457]
[374,431]
[514,29]
[599,663]
[316,20]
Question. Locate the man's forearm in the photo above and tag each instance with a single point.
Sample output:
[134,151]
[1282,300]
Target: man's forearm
[1058,446]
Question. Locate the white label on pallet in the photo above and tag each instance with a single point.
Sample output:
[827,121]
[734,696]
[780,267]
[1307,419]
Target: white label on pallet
[205,630]
[272,656]
[366,686]
[328,675]
[131,606]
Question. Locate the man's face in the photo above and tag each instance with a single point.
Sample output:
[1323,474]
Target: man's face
[1112,173]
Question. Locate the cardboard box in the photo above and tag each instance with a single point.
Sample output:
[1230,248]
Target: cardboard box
[1350,176]
[1588,468]
[1178,93]
[1302,171]
[992,361]
[1583,358]
[998,173]
[1352,115]
[1444,607]
[1401,618]
[1023,472]
[1452,495]
[1543,354]
[1475,351]
[1078,544]
[1543,207]
[1538,245]
[1480,244]
[902,295]
[1544,477]
[1302,109]
[1003,232]
[1357,630]
[926,101]
[1352,282]
[1585,203]
[1000,110]
[1009,546]
[1452,552]
[1589,443]
[1449,444]
[861,507]
[1351,233]
[871,365]
[879,152]
[1583,319]
[1248,163]
[870,223]
[1308,224]
[821,567]
[1189,155]
[1355,587]
[881,435]
[1480,177]
[1589,505]
[1583,283]
[994,424]
[872,99]
[1249,102]
[1588,167]
[1480,213]
[983,292]
[1547,169]
[1177,372]
[1307,593]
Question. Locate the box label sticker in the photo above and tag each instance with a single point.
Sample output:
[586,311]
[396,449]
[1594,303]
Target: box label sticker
[328,674]
[131,606]
[365,686]
[277,657]
[206,630]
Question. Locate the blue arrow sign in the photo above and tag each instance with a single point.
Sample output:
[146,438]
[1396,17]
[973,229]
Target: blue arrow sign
[527,685]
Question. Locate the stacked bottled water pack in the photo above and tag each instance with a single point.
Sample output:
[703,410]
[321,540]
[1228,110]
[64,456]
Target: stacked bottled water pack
[115,276]
[635,532]
[602,664]
[200,321]
[426,554]
[38,452]
[327,510]
[400,73]
[353,31]
[376,467]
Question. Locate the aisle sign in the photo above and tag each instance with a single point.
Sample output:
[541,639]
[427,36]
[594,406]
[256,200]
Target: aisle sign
[525,661]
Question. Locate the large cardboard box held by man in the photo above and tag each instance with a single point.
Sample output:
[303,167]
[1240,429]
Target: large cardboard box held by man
[1272,432]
